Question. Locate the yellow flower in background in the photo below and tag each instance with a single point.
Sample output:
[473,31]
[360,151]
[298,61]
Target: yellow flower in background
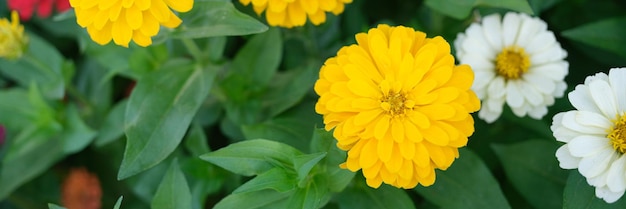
[398,105]
[126,20]
[12,39]
[292,13]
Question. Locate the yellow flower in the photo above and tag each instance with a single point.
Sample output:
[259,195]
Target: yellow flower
[291,13]
[126,20]
[398,105]
[12,39]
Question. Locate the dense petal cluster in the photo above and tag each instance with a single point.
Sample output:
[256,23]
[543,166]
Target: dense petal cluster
[12,38]
[126,20]
[398,105]
[81,189]
[27,8]
[595,133]
[517,61]
[291,13]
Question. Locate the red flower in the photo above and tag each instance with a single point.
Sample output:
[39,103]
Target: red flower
[26,8]
[81,190]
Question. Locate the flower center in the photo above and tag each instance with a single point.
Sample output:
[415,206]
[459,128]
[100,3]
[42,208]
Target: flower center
[396,104]
[512,62]
[617,135]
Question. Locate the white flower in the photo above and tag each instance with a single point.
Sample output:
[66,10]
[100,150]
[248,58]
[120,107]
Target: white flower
[595,133]
[516,60]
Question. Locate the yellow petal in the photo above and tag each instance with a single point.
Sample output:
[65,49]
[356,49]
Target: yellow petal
[397,130]
[160,11]
[385,149]
[173,22]
[134,18]
[121,33]
[382,125]
[368,154]
[317,18]
[436,135]
[141,39]
[296,14]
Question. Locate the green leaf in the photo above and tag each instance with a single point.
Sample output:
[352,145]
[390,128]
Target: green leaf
[142,61]
[534,171]
[76,134]
[460,9]
[541,5]
[579,194]
[607,34]
[251,157]
[276,179]
[338,179]
[304,163]
[196,141]
[113,126]
[258,60]
[204,179]
[156,121]
[310,197]
[466,184]
[363,197]
[253,200]
[53,206]
[118,203]
[292,127]
[41,64]
[210,18]
[173,192]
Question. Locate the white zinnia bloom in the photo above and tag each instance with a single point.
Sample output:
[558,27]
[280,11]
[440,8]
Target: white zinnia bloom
[516,60]
[595,133]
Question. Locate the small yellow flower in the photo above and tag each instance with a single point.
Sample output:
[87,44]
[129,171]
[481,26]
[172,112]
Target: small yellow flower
[292,13]
[126,20]
[12,39]
[398,105]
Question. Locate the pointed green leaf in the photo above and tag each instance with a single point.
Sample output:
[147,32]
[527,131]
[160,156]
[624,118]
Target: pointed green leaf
[311,197]
[113,126]
[460,9]
[253,200]
[466,184]
[251,157]
[607,34]
[579,194]
[173,192]
[196,141]
[304,163]
[258,60]
[276,179]
[118,203]
[41,64]
[76,134]
[338,178]
[534,171]
[363,197]
[210,18]
[156,121]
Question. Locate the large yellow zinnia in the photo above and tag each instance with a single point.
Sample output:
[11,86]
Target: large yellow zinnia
[291,13]
[126,20]
[398,105]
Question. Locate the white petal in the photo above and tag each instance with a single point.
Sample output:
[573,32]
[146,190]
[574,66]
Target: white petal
[492,28]
[538,112]
[543,84]
[510,28]
[476,43]
[570,121]
[482,78]
[566,160]
[602,95]
[490,110]
[559,89]
[531,94]
[616,178]
[458,42]
[581,99]
[592,119]
[552,54]
[529,30]
[596,164]
[585,146]
[608,196]
[496,88]
[540,42]
[521,111]
[554,70]
[617,79]
[514,97]
[479,62]
[597,76]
